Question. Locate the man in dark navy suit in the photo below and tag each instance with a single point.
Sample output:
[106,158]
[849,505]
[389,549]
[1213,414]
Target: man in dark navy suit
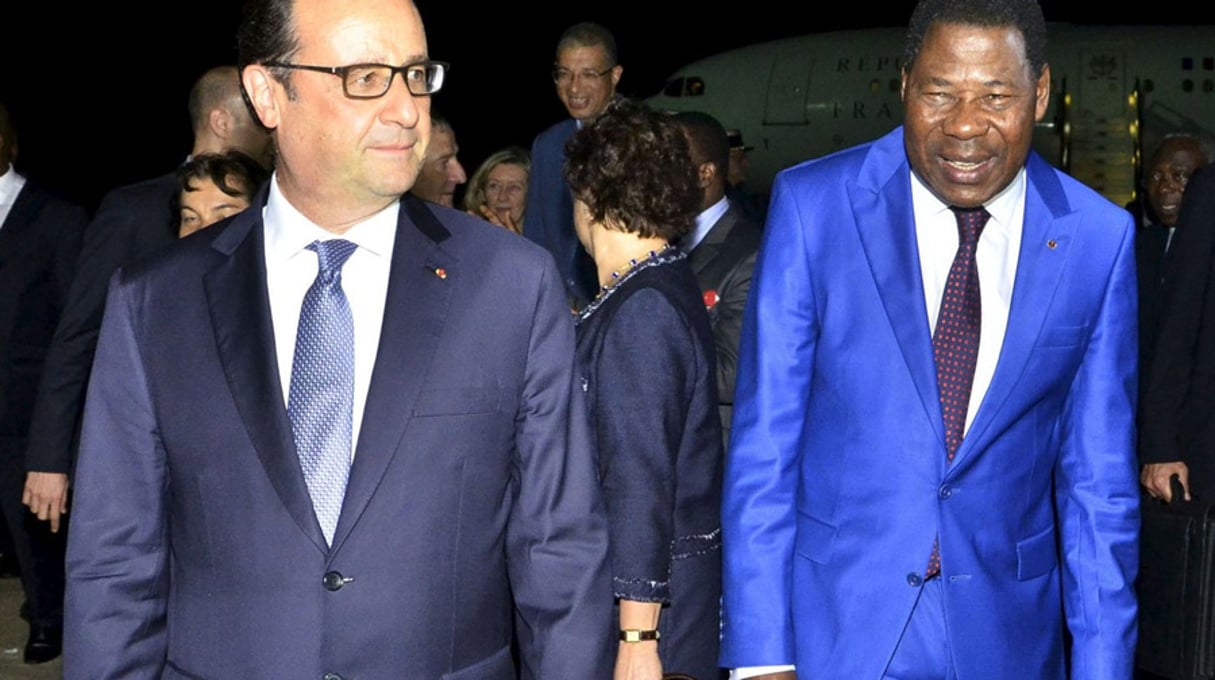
[586,74]
[39,239]
[339,434]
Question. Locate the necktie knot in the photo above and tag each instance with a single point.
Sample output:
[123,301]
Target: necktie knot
[970,223]
[331,255]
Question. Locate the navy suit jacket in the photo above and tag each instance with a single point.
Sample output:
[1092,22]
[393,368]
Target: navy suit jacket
[195,552]
[38,244]
[549,220]
[132,222]
[837,481]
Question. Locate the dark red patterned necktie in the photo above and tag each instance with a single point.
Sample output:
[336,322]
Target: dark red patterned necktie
[955,343]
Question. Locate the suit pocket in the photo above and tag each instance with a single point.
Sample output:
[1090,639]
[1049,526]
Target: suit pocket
[497,666]
[1063,336]
[815,539]
[1037,555]
[453,401]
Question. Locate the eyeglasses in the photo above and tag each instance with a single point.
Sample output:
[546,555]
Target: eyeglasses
[563,76]
[370,81]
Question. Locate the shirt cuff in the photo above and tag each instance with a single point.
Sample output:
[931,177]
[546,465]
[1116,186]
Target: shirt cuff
[752,671]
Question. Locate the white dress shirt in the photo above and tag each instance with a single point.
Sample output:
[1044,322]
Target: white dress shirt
[10,186]
[291,269]
[936,234]
[704,223]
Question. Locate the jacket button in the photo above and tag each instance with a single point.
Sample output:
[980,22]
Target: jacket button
[331,676]
[333,581]
[914,579]
[944,492]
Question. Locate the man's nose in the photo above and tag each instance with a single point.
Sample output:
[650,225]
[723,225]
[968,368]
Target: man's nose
[966,120]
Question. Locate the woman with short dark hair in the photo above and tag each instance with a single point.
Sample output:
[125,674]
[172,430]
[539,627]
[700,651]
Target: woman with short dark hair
[648,358]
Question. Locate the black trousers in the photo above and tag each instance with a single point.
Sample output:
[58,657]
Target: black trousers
[40,553]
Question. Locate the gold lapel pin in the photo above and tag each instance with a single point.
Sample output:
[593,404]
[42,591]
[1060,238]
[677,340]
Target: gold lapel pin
[1052,244]
[442,273]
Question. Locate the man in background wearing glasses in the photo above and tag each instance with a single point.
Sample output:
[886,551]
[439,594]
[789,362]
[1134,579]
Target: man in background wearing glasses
[335,436]
[586,74]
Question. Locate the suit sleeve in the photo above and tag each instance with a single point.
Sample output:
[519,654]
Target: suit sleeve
[117,576]
[642,398]
[1187,312]
[557,535]
[780,331]
[108,242]
[1097,486]
[533,220]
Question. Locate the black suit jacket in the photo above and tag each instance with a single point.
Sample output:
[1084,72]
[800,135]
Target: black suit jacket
[723,262]
[39,241]
[131,223]
[1180,395]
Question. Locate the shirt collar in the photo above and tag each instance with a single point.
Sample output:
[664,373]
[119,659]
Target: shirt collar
[288,231]
[1002,207]
[10,185]
[704,222]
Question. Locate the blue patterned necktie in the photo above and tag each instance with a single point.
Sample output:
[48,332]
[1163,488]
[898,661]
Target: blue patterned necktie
[320,401]
[955,343]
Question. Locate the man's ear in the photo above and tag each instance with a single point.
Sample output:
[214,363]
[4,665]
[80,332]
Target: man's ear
[220,122]
[262,88]
[705,174]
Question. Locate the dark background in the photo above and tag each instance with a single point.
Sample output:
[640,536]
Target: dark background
[99,90]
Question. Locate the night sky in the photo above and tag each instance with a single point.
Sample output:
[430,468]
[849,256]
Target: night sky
[99,89]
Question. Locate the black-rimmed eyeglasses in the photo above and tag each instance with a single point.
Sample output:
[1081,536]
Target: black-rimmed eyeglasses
[369,81]
[563,76]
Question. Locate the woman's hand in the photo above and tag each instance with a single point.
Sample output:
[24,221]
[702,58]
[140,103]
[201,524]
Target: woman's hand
[638,661]
[502,220]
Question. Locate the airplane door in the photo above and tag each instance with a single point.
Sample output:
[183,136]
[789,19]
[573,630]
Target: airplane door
[788,88]
[1102,140]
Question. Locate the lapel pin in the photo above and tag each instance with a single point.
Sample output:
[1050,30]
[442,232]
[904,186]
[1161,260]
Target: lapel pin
[440,272]
[1052,244]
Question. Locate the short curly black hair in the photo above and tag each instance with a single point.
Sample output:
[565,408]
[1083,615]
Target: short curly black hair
[1024,15]
[632,168]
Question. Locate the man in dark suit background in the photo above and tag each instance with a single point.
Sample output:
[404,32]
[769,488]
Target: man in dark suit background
[1156,210]
[298,465]
[721,249]
[586,73]
[1178,432]
[132,222]
[39,240]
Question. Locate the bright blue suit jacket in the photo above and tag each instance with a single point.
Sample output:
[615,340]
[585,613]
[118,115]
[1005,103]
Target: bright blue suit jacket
[837,479]
[472,497]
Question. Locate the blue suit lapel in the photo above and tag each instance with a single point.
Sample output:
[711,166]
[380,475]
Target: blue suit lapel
[244,338]
[881,206]
[420,288]
[1047,232]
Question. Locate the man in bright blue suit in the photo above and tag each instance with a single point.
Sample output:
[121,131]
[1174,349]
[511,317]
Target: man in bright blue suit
[586,73]
[932,465]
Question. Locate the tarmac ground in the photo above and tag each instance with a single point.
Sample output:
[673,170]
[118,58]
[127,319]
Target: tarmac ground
[13,632]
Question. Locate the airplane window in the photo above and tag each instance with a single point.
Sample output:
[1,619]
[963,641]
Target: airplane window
[875,86]
[1187,85]
[695,87]
[674,88]
[894,84]
[1208,64]
[1187,63]
[1207,85]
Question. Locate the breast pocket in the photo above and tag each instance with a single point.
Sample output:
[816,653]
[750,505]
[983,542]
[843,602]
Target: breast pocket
[1063,337]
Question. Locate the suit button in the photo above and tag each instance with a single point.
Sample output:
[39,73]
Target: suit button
[331,676]
[944,492]
[333,581]
[914,579]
